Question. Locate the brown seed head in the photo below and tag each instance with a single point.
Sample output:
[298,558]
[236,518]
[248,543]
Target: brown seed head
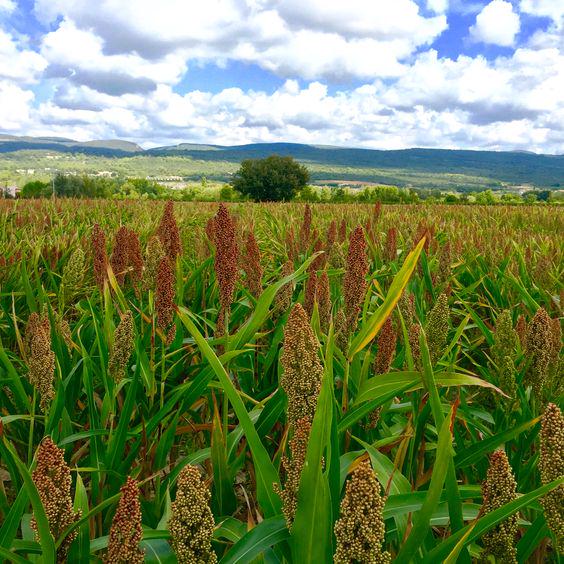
[355,277]
[154,253]
[331,235]
[120,255]
[386,348]
[305,230]
[323,297]
[391,248]
[168,232]
[252,267]
[126,531]
[164,299]
[100,257]
[52,479]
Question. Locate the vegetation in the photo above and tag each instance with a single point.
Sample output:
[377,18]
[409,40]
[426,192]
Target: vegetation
[196,382]
[272,179]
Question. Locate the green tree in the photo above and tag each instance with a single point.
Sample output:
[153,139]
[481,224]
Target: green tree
[36,189]
[271,179]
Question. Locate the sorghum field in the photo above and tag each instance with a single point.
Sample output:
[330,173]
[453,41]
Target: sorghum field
[280,383]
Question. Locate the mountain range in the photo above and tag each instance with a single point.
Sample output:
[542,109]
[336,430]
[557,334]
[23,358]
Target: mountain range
[500,167]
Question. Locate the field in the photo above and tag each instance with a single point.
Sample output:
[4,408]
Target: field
[280,383]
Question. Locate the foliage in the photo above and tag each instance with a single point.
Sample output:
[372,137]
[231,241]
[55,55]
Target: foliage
[174,437]
[272,179]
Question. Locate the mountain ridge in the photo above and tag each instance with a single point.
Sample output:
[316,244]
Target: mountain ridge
[506,167]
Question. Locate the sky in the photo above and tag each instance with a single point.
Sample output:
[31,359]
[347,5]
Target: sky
[383,74]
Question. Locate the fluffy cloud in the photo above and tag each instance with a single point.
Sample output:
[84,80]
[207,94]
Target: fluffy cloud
[120,70]
[551,8]
[497,23]
[311,40]
[7,6]
[21,65]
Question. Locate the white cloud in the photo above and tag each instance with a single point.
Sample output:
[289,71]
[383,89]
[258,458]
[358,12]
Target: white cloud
[310,39]
[438,6]
[22,65]
[551,8]
[497,23]
[7,6]
[15,107]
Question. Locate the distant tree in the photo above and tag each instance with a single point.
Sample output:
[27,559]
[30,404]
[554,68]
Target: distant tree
[271,179]
[36,189]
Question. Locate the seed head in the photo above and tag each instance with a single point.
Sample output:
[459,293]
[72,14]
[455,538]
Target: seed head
[52,479]
[154,253]
[310,291]
[251,266]
[73,273]
[100,257]
[164,299]
[355,277]
[291,245]
[413,336]
[538,347]
[169,234]
[122,347]
[126,532]
[226,260]
[135,257]
[391,248]
[293,467]
[302,369]
[551,466]
[437,328]
[521,330]
[498,489]
[386,348]
[337,257]
[305,230]
[360,529]
[191,524]
[331,235]
[120,255]
[342,231]
[41,361]
[283,298]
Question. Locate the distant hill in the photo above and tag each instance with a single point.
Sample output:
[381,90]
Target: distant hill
[403,167]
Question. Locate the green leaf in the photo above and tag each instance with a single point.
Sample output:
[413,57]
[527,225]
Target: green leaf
[422,519]
[370,328]
[266,534]
[80,548]
[475,530]
[223,487]
[266,474]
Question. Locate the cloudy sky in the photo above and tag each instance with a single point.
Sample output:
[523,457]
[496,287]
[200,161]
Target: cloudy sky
[370,73]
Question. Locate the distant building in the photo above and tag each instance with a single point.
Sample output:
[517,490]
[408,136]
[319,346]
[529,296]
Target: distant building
[9,191]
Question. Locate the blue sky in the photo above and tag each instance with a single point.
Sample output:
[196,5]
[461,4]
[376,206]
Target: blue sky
[384,74]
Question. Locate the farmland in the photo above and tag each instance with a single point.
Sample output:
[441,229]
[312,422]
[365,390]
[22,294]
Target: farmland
[280,383]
